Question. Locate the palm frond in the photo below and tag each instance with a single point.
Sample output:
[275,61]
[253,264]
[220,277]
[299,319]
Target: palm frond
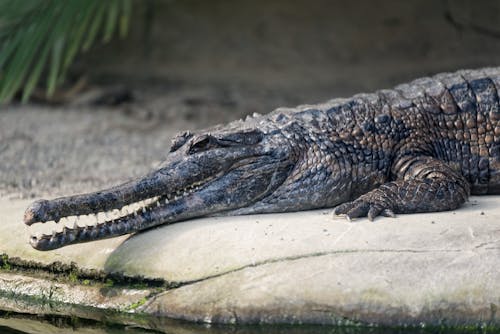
[42,37]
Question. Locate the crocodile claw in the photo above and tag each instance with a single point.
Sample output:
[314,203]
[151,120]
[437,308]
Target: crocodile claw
[363,207]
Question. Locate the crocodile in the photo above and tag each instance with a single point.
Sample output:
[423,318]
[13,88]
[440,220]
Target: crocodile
[423,146]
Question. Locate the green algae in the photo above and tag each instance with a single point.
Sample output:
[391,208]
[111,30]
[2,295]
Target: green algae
[136,305]
[4,262]
[72,273]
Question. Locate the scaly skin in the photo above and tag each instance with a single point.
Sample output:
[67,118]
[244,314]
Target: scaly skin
[420,147]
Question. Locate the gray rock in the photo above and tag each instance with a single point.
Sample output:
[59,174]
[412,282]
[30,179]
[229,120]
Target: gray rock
[305,267]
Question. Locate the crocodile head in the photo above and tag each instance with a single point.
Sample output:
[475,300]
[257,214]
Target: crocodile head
[233,169]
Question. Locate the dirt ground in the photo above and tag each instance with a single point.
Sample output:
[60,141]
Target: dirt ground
[50,151]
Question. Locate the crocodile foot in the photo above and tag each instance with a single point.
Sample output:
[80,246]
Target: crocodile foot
[368,205]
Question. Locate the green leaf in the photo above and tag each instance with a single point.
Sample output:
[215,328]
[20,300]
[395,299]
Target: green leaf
[21,60]
[94,27]
[111,21]
[35,75]
[42,37]
[9,47]
[55,65]
[81,27]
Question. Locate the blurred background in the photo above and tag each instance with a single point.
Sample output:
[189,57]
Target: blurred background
[91,92]
[295,51]
[306,50]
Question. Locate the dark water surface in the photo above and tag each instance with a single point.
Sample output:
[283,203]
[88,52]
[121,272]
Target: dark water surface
[13,323]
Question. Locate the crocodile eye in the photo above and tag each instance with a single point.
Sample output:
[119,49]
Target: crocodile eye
[203,143]
[208,141]
[180,140]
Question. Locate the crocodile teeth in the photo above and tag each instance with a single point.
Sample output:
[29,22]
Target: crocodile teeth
[73,226]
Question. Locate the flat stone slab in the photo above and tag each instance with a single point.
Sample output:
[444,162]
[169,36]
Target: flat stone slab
[304,267]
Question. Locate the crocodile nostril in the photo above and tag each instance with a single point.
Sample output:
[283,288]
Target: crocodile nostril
[35,212]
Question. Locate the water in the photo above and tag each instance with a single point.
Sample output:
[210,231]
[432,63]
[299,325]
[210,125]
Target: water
[12,323]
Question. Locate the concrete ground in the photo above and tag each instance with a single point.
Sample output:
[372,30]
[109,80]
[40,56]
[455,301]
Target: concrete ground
[306,267]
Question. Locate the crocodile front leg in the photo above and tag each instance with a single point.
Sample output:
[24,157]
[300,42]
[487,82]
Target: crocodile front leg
[424,184]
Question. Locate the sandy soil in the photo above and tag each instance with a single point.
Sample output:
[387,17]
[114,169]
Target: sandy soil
[59,150]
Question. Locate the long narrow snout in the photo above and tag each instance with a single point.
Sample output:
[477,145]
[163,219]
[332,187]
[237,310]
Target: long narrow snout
[185,186]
